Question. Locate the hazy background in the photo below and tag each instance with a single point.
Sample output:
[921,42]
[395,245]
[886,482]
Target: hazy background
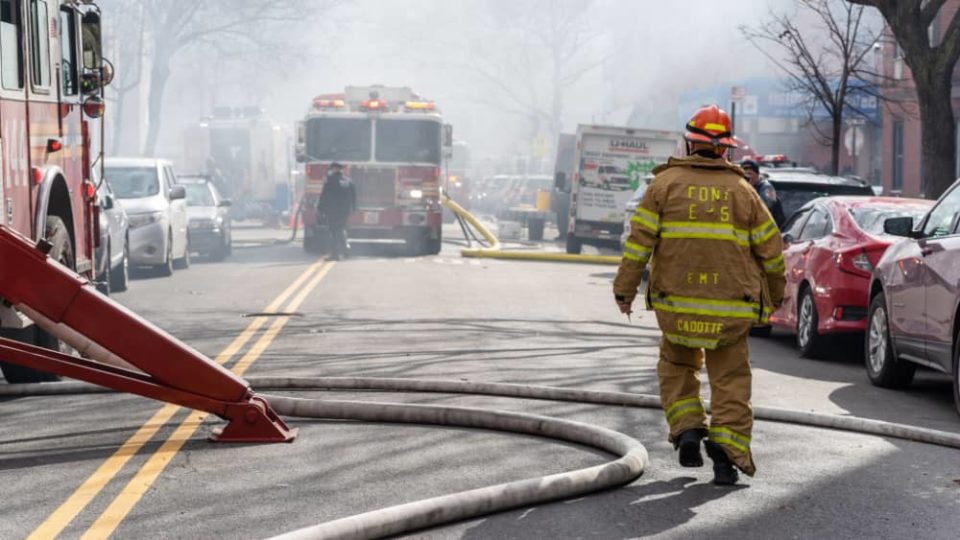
[508,74]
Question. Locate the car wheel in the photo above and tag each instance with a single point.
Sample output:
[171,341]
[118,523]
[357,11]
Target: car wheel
[120,276]
[183,262]
[883,367]
[809,340]
[166,269]
[61,251]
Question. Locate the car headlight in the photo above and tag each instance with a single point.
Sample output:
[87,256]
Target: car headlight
[140,220]
[414,194]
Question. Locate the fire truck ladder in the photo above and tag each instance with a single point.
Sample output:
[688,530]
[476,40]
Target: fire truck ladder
[122,351]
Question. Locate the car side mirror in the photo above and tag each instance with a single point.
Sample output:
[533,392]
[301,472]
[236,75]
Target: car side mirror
[177,193]
[107,203]
[788,238]
[225,203]
[898,226]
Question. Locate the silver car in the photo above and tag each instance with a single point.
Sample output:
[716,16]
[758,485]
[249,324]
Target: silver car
[156,211]
[111,255]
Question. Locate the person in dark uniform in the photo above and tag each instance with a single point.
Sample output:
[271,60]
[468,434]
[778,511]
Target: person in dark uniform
[337,201]
[768,194]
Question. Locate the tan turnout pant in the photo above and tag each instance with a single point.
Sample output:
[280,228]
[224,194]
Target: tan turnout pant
[728,370]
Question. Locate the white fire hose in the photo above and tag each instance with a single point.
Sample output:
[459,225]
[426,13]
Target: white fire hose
[632,457]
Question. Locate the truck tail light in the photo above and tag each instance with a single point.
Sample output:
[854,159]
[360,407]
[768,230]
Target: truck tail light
[89,190]
[37,175]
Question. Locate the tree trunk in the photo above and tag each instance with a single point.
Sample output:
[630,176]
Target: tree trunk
[159,75]
[938,136]
[835,143]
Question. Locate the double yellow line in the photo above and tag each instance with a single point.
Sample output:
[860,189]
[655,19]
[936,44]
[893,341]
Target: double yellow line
[124,502]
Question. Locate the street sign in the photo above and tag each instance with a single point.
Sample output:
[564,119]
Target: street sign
[737,93]
[853,140]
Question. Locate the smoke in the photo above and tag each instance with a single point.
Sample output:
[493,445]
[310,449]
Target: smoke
[491,65]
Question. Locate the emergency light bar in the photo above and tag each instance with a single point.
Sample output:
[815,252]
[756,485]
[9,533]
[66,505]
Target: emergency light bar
[328,103]
[374,105]
[420,106]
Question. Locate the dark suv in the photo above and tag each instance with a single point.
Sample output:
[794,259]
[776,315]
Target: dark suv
[915,299]
[798,186]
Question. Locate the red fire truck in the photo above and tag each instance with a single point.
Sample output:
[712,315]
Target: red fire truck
[393,143]
[52,75]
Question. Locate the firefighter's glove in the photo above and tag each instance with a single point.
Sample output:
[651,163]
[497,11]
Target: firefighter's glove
[624,304]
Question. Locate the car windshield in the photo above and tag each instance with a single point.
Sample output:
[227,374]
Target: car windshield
[200,195]
[338,139]
[408,141]
[871,218]
[133,182]
[795,196]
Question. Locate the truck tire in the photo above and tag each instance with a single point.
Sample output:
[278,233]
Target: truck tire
[535,229]
[315,244]
[434,245]
[416,243]
[574,245]
[61,251]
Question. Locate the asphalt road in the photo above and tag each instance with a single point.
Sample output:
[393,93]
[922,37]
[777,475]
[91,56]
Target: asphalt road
[68,466]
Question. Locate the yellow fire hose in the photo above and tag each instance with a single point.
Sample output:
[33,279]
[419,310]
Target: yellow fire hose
[496,252]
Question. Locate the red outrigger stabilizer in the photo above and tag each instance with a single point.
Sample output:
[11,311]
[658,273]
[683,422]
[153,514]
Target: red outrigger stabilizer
[172,371]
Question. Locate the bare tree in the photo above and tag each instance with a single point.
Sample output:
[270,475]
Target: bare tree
[932,65]
[831,69]
[125,49]
[177,25]
[543,49]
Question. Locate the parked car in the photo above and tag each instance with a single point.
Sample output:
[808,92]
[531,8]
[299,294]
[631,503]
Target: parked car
[831,246]
[797,186]
[156,212]
[209,218]
[112,259]
[915,299]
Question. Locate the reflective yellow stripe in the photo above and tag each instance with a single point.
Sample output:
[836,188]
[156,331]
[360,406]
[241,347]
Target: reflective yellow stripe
[636,252]
[715,127]
[730,438]
[683,407]
[703,230]
[647,219]
[763,233]
[765,316]
[692,342]
[774,265]
[707,306]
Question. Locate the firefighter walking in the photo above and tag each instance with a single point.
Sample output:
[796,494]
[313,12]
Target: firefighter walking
[716,269]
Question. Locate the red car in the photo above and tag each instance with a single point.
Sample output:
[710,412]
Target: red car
[831,246]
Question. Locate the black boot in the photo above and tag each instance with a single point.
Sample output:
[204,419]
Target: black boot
[688,443]
[724,471]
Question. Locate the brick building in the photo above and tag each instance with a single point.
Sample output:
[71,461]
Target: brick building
[901,155]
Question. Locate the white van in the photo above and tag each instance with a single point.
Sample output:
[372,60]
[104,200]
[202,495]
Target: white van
[611,164]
